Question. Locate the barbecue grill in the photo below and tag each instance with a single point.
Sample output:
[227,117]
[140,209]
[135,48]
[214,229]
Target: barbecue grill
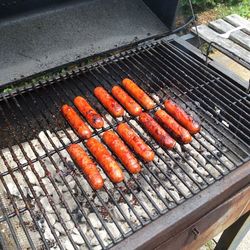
[46,203]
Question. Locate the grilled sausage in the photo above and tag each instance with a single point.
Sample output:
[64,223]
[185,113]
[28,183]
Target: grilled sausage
[172,126]
[182,117]
[76,122]
[105,159]
[122,152]
[135,142]
[134,90]
[93,118]
[129,103]
[89,168]
[108,102]
[158,133]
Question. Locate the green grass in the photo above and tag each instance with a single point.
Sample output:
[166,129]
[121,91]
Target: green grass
[242,9]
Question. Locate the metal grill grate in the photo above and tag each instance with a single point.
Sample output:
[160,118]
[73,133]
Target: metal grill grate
[44,196]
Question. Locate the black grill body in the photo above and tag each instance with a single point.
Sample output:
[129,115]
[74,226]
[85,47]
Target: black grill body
[162,70]
[45,201]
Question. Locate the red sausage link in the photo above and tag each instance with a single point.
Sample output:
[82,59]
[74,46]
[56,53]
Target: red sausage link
[134,90]
[108,102]
[135,142]
[172,126]
[93,118]
[105,159]
[76,122]
[129,103]
[182,117]
[122,152]
[159,134]
[89,168]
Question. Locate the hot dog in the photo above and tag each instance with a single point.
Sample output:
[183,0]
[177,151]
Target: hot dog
[129,103]
[134,90]
[135,142]
[158,133]
[93,118]
[122,152]
[108,102]
[172,126]
[76,122]
[89,168]
[182,117]
[105,159]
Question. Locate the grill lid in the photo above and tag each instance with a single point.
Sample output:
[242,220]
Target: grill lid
[36,37]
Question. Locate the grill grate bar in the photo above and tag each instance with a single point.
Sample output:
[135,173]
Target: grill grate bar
[207,148]
[192,94]
[206,159]
[191,142]
[211,88]
[100,74]
[6,215]
[109,124]
[179,97]
[231,87]
[191,177]
[224,103]
[79,185]
[173,177]
[155,205]
[44,188]
[23,197]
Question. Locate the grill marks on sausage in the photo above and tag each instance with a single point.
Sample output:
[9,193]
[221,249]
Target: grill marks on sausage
[129,103]
[134,90]
[172,126]
[89,168]
[75,121]
[182,117]
[93,118]
[122,152]
[108,102]
[105,159]
[135,142]
[157,132]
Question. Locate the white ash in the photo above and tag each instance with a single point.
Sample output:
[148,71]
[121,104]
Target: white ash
[19,154]
[38,147]
[58,226]
[193,158]
[46,204]
[94,220]
[225,123]
[66,243]
[54,138]
[77,238]
[114,230]
[28,151]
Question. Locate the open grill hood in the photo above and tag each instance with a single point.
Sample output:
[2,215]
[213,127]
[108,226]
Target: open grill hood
[40,185]
[40,35]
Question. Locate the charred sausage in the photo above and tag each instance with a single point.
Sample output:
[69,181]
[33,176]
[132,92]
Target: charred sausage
[182,117]
[122,152]
[135,142]
[76,122]
[173,127]
[108,102]
[105,159]
[129,103]
[93,118]
[134,90]
[158,133]
[89,168]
